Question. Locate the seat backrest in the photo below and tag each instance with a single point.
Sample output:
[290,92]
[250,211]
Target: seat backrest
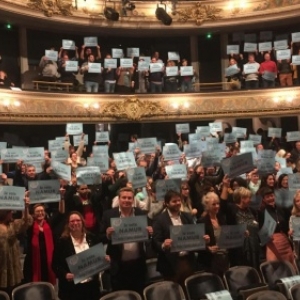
[267,295]
[34,291]
[295,291]
[152,274]
[4,296]
[166,290]
[241,277]
[203,283]
[122,295]
[272,271]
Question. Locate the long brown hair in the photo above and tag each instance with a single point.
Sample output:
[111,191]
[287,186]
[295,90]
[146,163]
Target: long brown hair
[66,232]
[296,210]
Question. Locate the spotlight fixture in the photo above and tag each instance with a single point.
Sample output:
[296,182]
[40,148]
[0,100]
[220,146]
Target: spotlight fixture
[127,6]
[162,15]
[111,14]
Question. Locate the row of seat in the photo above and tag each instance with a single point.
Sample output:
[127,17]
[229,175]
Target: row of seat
[242,282]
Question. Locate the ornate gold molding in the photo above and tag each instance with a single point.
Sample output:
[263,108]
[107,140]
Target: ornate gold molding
[54,108]
[188,16]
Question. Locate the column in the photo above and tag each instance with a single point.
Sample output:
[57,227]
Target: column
[224,57]
[23,57]
[195,58]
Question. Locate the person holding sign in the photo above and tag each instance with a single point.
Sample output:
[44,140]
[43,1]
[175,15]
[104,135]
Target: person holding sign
[268,70]
[187,80]
[279,247]
[11,270]
[65,75]
[128,260]
[91,78]
[285,72]
[233,75]
[171,80]
[49,68]
[174,266]
[74,239]
[156,78]
[294,224]
[251,73]
[86,52]
[124,80]
[109,77]
[38,260]
[214,259]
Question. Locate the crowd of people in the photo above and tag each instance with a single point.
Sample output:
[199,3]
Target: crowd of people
[52,232]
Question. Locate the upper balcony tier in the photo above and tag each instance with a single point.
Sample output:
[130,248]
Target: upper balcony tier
[189,17]
[29,107]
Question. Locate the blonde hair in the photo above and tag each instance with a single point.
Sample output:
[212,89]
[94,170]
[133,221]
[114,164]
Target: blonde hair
[208,198]
[295,209]
[240,193]
[66,233]
[281,153]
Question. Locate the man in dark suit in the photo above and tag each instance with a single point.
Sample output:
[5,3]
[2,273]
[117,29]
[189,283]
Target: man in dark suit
[128,260]
[174,266]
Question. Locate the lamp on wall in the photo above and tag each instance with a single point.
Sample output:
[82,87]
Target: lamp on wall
[161,14]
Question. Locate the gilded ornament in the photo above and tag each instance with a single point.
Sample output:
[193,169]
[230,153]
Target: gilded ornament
[199,13]
[52,7]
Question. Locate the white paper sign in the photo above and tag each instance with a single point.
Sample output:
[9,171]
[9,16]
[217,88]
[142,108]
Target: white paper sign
[90,41]
[102,136]
[256,138]
[147,145]
[172,71]
[171,152]
[100,150]
[44,191]
[156,67]
[51,55]
[232,70]
[220,295]
[63,171]
[230,138]
[267,230]
[74,128]
[124,160]
[283,54]
[192,150]
[71,66]
[137,176]
[94,67]
[194,138]
[78,138]
[143,66]
[250,68]
[68,44]
[173,56]
[265,46]
[281,45]
[296,37]
[126,62]
[274,132]
[117,53]
[250,47]
[186,71]
[176,171]
[98,161]
[294,181]
[293,136]
[110,63]
[239,132]
[59,155]
[12,197]
[182,128]
[237,165]
[215,127]
[204,131]
[34,154]
[233,49]
[296,60]
[88,175]
[133,52]
[162,186]
[54,145]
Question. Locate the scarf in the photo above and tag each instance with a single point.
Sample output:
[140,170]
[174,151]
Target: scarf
[36,259]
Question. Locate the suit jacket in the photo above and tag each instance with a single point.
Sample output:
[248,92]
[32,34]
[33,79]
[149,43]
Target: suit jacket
[167,261]
[63,249]
[115,251]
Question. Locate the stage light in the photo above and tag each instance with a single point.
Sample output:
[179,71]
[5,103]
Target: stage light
[111,14]
[162,15]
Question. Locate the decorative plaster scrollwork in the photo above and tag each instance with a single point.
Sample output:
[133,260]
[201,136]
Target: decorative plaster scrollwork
[133,109]
[269,4]
[199,13]
[52,7]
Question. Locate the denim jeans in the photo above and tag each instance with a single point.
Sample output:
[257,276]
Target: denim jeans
[187,86]
[268,83]
[251,84]
[109,87]
[91,87]
[156,88]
